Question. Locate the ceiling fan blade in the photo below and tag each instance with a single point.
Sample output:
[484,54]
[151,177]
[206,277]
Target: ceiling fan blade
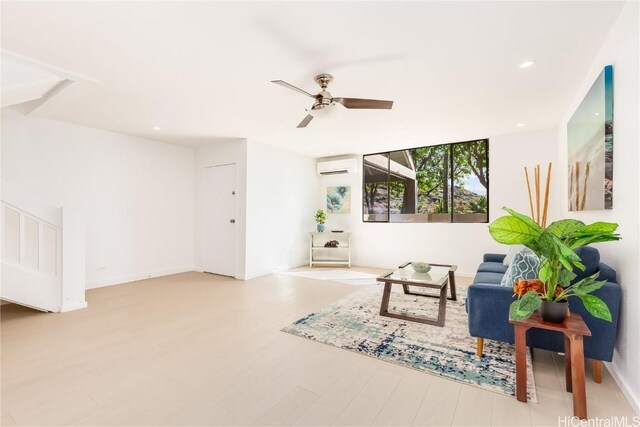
[364,103]
[305,121]
[290,86]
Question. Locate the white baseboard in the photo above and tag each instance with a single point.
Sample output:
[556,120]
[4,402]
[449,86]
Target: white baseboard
[138,276]
[200,269]
[255,275]
[630,394]
[73,306]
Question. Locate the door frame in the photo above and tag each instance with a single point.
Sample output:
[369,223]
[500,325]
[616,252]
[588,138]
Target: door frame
[202,214]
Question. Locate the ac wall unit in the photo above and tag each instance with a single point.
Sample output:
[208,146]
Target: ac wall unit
[337,167]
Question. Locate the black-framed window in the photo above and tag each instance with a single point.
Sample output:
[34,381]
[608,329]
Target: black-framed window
[438,183]
[375,187]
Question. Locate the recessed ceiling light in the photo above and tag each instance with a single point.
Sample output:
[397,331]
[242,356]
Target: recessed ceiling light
[597,114]
[527,64]
[156,128]
[520,125]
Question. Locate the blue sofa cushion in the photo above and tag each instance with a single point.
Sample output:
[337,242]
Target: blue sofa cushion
[607,273]
[493,258]
[488,278]
[590,258]
[493,267]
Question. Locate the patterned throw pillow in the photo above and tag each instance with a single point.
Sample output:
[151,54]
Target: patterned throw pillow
[525,265]
[513,250]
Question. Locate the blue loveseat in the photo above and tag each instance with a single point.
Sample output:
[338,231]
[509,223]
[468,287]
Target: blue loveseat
[488,308]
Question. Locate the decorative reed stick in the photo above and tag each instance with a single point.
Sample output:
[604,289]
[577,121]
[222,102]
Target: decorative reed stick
[526,174]
[538,217]
[546,197]
[538,194]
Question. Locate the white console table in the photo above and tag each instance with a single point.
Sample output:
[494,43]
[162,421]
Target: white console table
[321,255]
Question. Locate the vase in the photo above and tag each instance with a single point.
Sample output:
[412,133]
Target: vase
[554,312]
[320,228]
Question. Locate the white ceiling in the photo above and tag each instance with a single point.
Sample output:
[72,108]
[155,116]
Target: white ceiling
[202,70]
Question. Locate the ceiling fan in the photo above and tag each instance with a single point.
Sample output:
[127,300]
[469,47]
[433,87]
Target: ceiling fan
[325,99]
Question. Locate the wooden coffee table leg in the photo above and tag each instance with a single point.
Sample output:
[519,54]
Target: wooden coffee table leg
[567,364]
[405,289]
[442,305]
[384,306]
[577,374]
[452,283]
[520,332]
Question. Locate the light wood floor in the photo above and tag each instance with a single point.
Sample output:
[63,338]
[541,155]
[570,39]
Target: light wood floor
[197,349]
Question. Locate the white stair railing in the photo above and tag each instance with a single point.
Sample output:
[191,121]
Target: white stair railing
[31,241]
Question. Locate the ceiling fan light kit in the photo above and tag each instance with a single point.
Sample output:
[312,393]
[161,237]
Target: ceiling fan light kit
[324,99]
[324,111]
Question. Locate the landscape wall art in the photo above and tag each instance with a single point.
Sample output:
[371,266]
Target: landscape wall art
[590,148]
[339,199]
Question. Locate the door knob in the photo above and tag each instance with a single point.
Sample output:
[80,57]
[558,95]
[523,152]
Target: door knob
[232,221]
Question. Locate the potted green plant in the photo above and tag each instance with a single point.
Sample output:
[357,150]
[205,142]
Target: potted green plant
[321,218]
[555,245]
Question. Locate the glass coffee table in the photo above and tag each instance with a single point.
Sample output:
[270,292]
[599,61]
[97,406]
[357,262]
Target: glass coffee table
[440,277]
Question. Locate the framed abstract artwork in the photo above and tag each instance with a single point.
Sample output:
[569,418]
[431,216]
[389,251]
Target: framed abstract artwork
[339,199]
[590,147]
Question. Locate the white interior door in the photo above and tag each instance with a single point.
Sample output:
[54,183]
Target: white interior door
[219,220]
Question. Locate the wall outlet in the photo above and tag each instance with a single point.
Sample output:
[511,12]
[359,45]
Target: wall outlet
[102,268]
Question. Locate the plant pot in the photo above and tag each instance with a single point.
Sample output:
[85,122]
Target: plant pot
[320,228]
[554,312]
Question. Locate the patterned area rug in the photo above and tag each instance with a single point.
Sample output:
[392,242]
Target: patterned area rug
[353,323]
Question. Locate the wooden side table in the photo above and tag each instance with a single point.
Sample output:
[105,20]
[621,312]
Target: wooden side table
[573,329]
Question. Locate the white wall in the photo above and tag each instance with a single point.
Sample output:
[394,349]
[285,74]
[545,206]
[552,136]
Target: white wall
[141,200]
[389,244]
[221,153]
[620,49]
[135,195]
[281,202]
[276,201]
